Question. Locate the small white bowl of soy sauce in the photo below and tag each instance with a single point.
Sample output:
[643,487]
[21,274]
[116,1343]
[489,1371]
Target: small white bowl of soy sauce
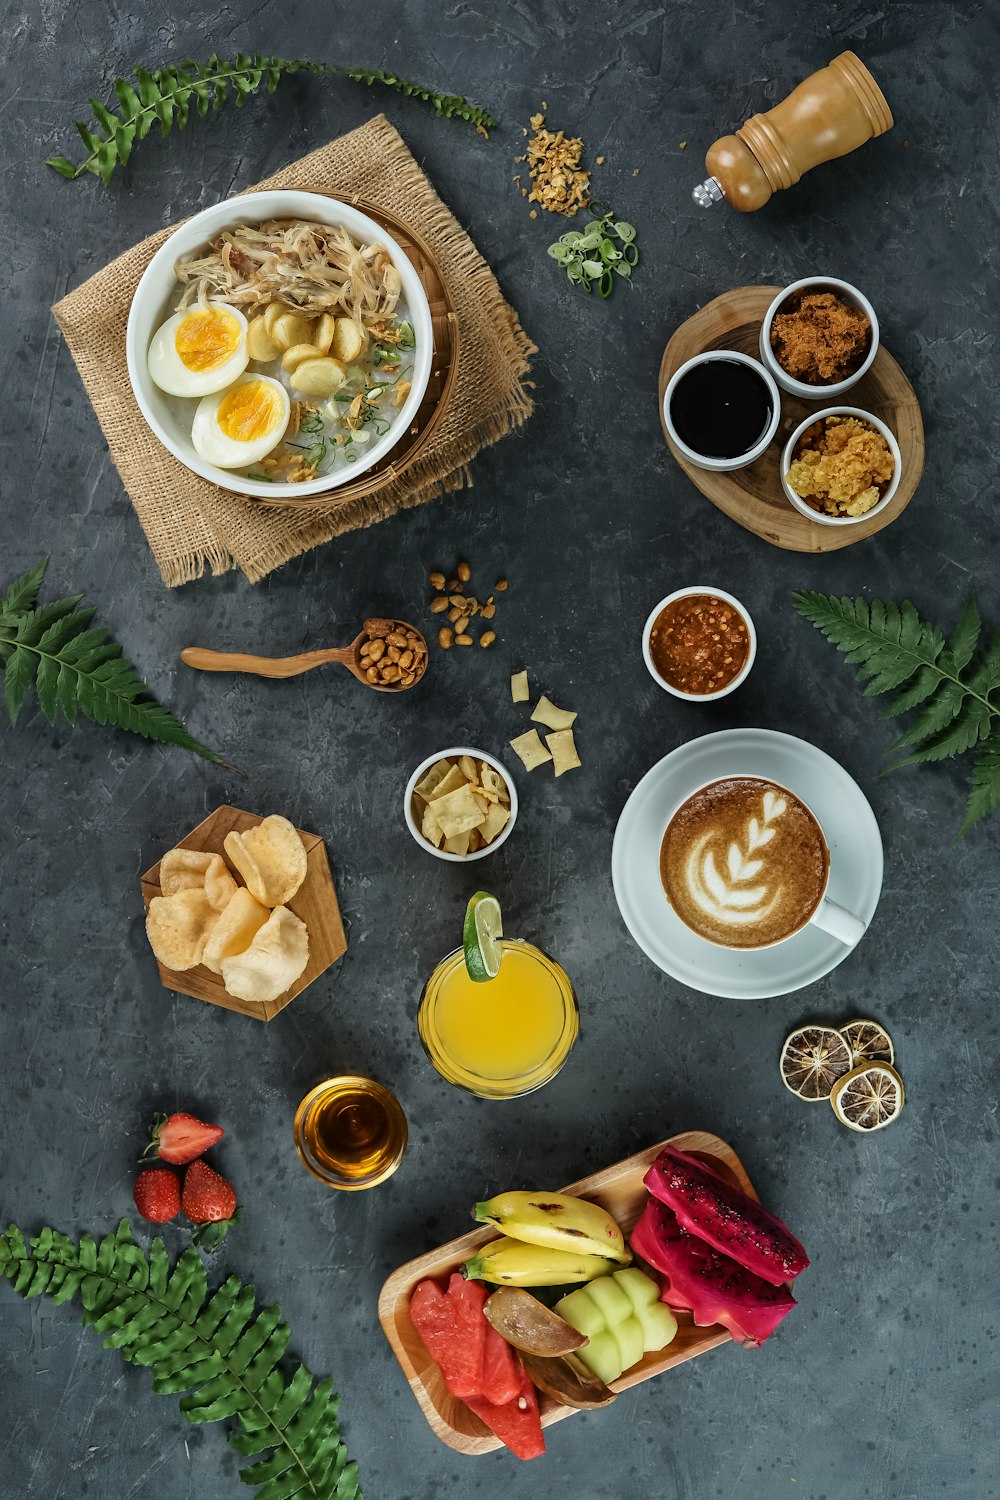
[722,409]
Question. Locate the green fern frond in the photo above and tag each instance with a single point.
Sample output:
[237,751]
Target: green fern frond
[984,797]
[166,96]
[215,1350]
[950,683]
[77,668]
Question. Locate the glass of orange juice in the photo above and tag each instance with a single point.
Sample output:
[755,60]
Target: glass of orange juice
[503,1038]
[350,1132]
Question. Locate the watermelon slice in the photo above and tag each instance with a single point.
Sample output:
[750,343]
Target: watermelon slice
[470,1333]
[459,1358]
[477,1364]
[516,1423]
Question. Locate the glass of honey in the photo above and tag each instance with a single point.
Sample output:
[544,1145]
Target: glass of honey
[505,1036]
[350,1132]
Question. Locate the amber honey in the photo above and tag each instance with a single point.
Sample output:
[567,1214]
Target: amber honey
[350,1132]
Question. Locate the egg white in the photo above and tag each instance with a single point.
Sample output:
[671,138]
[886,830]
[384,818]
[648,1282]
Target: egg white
[171,374]
[217,447]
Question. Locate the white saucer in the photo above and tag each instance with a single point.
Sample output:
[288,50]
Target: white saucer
[848,823]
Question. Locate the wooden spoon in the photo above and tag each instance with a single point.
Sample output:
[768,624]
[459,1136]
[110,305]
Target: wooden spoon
[291,666]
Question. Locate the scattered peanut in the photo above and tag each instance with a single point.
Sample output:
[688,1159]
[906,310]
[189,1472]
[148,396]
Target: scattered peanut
[462,608]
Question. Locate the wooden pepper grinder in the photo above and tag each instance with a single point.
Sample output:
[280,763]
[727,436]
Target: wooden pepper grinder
[834,111]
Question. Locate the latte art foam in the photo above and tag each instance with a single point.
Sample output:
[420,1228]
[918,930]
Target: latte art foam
[743,862]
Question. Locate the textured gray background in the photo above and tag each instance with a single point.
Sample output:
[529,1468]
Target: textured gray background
[878,1385]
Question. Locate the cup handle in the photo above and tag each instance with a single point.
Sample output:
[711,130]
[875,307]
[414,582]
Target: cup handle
[838,922]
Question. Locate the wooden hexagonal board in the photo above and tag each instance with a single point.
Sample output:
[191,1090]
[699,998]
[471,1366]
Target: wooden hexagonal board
[315,902]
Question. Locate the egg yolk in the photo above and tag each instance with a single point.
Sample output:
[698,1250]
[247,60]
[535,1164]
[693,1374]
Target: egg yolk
[206,339]
[248,412]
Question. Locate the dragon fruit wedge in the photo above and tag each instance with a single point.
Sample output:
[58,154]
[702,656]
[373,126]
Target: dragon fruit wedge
[713,1288]
[725,1218]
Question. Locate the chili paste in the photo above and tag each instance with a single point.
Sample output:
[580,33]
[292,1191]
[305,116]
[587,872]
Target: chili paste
[699,643]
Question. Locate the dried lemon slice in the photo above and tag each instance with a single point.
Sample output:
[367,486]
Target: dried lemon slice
[812,1060]
[868,1041]
[868,1097]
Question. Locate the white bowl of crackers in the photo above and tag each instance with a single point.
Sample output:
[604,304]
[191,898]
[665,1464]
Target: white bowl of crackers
[460,804]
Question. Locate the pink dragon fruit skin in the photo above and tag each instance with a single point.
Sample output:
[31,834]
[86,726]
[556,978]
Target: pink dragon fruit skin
[725,1218]
[713,1288]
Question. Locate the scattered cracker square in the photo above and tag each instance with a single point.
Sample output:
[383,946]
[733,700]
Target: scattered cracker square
[563,748]
[546,713]
[519,688]
[530,749]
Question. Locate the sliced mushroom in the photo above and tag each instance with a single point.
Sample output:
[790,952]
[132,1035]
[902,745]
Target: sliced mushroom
[568,1380]
[529,1325]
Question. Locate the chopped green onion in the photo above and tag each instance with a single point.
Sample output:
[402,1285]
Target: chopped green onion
[603,249]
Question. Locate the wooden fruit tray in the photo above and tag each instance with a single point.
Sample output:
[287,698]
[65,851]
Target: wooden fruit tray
[753,496]
[620,1190]
[444,367]
[315,902]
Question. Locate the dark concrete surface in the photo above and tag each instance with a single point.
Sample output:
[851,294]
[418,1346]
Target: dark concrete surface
[883,1383]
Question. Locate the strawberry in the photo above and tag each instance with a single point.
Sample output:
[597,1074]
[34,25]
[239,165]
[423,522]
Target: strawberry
[179,1138]
[157,1195]
[207,1197]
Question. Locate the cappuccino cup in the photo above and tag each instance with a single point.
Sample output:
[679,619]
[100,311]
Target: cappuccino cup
[744,863]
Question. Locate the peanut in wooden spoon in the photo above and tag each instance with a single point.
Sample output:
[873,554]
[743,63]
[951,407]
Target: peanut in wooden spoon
[373,657]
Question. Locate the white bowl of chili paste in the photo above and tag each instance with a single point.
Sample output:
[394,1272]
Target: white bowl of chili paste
[699,643]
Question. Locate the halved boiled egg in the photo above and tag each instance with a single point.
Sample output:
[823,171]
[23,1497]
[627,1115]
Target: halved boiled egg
[199,351]
[242,424]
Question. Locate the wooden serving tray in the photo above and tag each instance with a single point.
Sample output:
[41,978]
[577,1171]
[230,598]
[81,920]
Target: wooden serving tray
[620,1190]
[444,367]
[753,497]
[315,902]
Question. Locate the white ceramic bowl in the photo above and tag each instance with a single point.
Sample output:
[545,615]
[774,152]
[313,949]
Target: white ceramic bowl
[157,294]
[800,388]
[451,753]
[803,506]
[744,459]
[741,675]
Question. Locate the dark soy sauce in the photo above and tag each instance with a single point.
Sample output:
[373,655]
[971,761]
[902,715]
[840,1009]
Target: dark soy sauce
[721,408]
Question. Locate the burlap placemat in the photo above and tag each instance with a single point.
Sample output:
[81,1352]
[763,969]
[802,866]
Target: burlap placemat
[190,523]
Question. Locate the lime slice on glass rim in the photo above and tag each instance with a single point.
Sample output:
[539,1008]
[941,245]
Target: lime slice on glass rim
[481,937]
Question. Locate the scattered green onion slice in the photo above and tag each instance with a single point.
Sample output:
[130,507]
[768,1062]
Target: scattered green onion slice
[593,256]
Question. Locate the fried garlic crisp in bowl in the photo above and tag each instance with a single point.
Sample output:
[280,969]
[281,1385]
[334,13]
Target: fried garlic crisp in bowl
[841,466]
